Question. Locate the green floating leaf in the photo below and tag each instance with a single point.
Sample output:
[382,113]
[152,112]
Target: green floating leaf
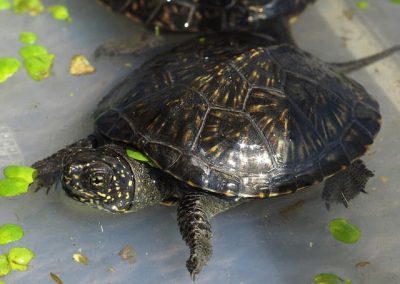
[139,156]
[4,5]
[33,7]
[24,172]
[395,1]
[37,61]
[362,4]
[59,12]
[4,265]
[13,186]
[39,67]
[8,67]
[19,258]
[28,37]
[32,51]
[10,233]
[328,278]
[344,231]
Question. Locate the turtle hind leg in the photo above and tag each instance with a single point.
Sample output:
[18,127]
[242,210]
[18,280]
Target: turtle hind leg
[195,211]
[346,184]
[136,46]
[49,169]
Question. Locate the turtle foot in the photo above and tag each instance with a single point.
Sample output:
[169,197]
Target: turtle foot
[347,184]
[195,264]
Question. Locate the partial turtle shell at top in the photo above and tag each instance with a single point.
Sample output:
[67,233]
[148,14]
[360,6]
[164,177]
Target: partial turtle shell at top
[206,15]
[241,115]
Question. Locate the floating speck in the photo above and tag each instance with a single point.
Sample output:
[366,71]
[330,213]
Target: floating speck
[55,278]
[80,258]
[128,254]
[362,4]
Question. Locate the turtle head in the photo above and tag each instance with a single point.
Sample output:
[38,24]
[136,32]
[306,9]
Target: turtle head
[101,177]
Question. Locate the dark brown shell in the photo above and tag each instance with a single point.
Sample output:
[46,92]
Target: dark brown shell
[206,15]
[243,116]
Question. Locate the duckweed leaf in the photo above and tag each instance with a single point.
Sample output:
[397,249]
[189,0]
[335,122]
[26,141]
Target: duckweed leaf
[4,265]
[139,156]
[20,257]
[344,231]
[33,7]
[362,4]
[328,278]
[13,186]
[10,233]
[8,67]
[4,5]
[59,12]
[24,172]
[27,37]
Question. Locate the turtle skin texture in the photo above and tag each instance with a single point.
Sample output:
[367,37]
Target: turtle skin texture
[206,15]
[241,115]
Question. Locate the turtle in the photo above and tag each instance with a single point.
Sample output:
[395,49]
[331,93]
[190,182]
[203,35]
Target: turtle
[221,120]
[265,16]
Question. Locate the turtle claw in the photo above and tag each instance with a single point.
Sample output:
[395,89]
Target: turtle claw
[194,266]
[44,181]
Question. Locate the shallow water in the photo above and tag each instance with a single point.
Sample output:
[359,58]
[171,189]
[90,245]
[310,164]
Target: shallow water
[254,243]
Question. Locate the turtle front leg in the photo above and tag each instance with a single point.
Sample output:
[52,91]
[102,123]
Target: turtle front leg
[49,169]
[347,184]
[195,211]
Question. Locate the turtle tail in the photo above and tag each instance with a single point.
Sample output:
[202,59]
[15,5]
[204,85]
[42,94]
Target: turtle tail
[350,66]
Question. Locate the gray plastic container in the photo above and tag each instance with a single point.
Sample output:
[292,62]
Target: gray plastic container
[258,242]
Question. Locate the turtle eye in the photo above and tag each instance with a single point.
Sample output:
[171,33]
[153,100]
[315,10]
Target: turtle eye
[99,179]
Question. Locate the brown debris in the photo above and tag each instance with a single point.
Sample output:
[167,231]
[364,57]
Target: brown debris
[362,264]
[80,65]
[80,258]
[128,254]
[55,278]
